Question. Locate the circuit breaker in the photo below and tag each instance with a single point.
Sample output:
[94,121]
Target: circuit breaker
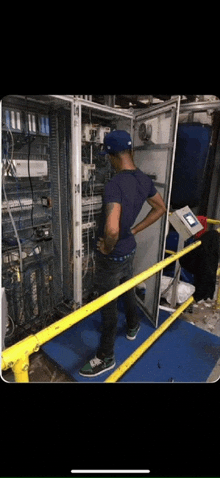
[35,168]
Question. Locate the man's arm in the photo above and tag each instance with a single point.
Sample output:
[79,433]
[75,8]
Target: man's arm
[158,209]
[111,229]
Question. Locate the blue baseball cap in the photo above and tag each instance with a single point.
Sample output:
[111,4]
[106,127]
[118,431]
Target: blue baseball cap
[117,140]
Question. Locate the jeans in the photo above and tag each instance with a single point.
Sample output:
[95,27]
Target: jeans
[109,275]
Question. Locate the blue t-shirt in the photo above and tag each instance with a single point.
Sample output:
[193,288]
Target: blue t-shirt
[130,188]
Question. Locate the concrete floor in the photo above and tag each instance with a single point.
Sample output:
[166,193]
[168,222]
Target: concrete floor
[202,315]
[41,370]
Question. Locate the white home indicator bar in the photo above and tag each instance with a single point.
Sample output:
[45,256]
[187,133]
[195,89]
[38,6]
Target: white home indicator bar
[110,471]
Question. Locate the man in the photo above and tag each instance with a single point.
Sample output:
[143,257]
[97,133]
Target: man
[124,197]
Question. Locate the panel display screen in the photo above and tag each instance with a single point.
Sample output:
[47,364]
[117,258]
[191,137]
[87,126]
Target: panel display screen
[190,219]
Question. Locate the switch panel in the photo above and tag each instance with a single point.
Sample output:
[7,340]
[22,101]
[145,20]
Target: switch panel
[37,168]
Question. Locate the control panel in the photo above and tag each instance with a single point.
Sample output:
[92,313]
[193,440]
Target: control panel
[185,222]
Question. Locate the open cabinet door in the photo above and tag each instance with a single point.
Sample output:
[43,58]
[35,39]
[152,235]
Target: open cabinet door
[155,132]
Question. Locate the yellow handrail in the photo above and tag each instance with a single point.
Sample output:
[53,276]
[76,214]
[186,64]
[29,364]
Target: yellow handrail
[16,356]
[213,221]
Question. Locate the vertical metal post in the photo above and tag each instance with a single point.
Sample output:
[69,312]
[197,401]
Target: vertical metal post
[172,160]
[177,272]
[20,369]
[59,202]
[77,201]
[109,100]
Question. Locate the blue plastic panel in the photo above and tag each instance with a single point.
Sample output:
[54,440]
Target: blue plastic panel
[190,161]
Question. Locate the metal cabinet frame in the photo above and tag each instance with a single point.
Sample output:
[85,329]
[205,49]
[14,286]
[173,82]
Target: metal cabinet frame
[76,105]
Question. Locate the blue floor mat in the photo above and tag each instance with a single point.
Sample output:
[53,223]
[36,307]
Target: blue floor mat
[184,353]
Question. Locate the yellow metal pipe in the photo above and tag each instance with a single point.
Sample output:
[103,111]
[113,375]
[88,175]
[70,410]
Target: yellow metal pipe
[213,221]
[31,344]
[217,305]
[125,366]
[58,327]
[21,349]
[20,369]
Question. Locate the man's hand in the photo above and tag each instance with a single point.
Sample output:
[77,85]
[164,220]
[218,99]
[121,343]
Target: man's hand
[101,246]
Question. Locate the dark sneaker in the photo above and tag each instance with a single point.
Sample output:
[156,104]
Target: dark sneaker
[97,366]
[132,333]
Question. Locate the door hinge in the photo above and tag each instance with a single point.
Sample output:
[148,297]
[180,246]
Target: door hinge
[77,188]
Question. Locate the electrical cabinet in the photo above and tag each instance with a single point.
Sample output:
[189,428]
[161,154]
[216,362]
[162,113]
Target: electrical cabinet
[154,133]
[90,171]
[53,181]
[36,243]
